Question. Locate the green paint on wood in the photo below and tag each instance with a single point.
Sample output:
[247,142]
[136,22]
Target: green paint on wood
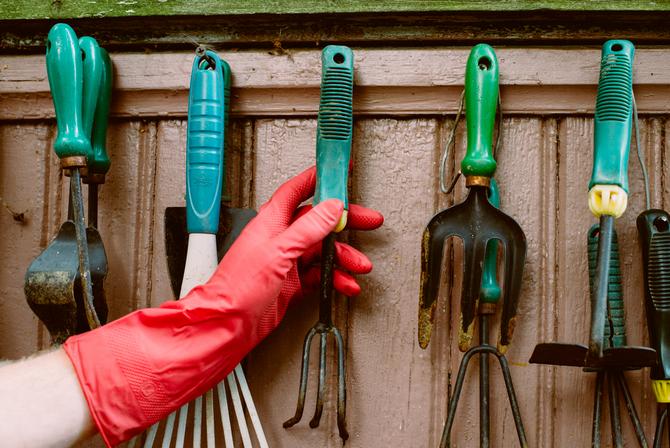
[67,9]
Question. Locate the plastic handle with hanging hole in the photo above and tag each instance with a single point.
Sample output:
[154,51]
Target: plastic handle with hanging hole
[481,102]
[490,290]
[99,163]
[608,186]
[204,143]
[65,73]
[335,127]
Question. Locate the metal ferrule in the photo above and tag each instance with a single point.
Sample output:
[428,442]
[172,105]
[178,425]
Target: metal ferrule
[477,181]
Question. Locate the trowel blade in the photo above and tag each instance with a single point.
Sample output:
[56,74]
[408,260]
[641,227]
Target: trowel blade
[231,223]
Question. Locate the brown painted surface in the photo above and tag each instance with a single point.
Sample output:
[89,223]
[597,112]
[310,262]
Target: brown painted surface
[397,392]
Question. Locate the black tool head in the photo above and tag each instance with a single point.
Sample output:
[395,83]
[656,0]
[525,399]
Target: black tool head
[576,355]
[53,287]
[475,221]
[231,223]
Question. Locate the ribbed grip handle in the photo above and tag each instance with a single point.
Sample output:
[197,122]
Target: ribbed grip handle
[490,290]
[99,163]
[65,72]
[335,126]
[615,325]
[204,144]
[613,118]
[481,102]
[653,227]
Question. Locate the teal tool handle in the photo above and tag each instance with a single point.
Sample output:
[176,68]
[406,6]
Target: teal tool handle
[335,125]
[613,118]
[65,72]
[99,162]
[481,102]
[615,336]
[92,73]
[204,143]
[490,290]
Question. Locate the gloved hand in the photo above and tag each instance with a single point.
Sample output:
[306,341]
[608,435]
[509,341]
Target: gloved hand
[136,370]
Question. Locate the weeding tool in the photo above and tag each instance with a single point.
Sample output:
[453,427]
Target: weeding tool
[207,117]
[474,220]
[489,295]
[333,151]
[607,353]
[58,283]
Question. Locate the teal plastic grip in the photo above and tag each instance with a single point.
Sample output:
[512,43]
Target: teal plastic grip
[335,124]
[613,117]
[490,290]
[99,163]
[65,73]
[92,74]
[481,102]
[204,143]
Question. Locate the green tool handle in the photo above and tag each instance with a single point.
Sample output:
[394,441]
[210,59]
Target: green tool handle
[654,230]
[99,163]
[65,73]
[92,74]
[481,101]
[613,117]
[490,290]
[615,326]
[335,126]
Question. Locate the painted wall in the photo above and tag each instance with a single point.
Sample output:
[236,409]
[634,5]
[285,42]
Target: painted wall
[406,102]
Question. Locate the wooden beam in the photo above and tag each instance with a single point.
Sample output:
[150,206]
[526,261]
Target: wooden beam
[67,9]
[388,82]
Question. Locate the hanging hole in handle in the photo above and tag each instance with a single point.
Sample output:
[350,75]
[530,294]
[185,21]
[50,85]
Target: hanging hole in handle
[616,47]
[338,58]
[207,63]
[661,223]
[484,63]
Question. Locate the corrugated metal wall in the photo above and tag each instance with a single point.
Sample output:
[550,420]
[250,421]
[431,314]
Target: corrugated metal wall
[397,392]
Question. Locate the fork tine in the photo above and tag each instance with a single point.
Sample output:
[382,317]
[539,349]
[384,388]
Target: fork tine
[341,387]
[303,380]
[181,426]
[514,244]
[474,251]
[225,415]
[209,418]
[197,422]
[323,344]
[169,428]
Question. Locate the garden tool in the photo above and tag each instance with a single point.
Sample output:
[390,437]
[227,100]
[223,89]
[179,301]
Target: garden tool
[333,151]
[653,227]
[58,283]
[98,165]
[474,220]
[489,295]
[607,352]
[207,117]
[607,200]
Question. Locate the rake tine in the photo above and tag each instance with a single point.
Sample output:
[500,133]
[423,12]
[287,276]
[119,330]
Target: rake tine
[239,410]
[151,435]
[303,380]
[169,427]
[658,435]
[321,389]
[615,416]
[225,416]
[453,403]
[341,387]
[597,409]
[251,408]
[209,418]
[181,426]
[630,407]
[513,403]
[197,422]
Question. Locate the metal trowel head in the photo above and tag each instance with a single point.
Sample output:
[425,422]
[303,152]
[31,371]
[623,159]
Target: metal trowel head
[231,223]
[53,286]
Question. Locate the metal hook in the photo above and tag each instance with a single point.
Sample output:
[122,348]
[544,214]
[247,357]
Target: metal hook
[451,142]
[640,156]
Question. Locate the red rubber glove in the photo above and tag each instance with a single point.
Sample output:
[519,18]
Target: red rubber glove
[136,370]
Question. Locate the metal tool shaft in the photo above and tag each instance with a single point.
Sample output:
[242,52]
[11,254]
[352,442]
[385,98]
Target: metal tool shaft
[599,291]
[326,287]
[484,411]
